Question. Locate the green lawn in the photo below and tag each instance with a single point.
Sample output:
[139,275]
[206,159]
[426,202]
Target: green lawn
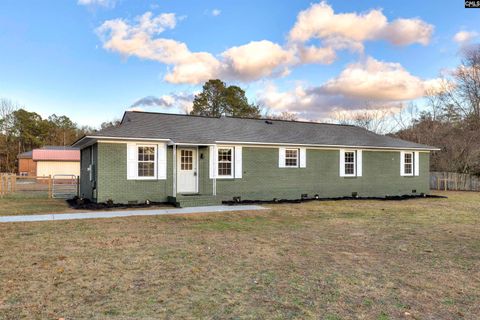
[415,259]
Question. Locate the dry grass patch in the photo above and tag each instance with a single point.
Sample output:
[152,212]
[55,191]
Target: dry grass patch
[417,259]
[12,205]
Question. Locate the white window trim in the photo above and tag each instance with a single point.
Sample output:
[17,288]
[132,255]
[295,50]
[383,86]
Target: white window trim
[411,174]
[298,158]
[155,160]
[354,174]
[232,161]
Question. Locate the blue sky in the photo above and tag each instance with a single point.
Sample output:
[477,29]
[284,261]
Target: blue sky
[56,57]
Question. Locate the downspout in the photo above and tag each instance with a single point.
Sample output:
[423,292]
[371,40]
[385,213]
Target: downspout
[215,171]
[174,170]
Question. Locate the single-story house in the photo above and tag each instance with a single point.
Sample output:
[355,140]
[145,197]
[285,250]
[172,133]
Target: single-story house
[50,161]
[195,160]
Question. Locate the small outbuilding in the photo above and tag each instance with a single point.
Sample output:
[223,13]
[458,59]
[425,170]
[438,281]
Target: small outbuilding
[49,161]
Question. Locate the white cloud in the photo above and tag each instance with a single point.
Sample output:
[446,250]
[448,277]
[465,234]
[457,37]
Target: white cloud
[338,31]
[216,12]
[376,83]
[248,62]
[376,80]
[103,3]
[174,102]
[258,59]
[321,22]
[312,54]
[402,32]
[464,37]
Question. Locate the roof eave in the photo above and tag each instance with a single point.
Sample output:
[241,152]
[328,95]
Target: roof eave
[91,139]
[427,148]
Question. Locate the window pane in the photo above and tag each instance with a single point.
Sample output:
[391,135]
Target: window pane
[186,160]
[289,153]
[225,162]
[349,168]
[146,169]
[408,168]
[349,157]
[350,163]
[291,157]
[291,162]
[224,154]
[408,158]
[224,169]
[146,161]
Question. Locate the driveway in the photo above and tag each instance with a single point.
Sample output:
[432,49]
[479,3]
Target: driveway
[126,213]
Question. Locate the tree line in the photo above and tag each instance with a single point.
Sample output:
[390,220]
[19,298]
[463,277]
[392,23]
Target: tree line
[22,130]
[449,120]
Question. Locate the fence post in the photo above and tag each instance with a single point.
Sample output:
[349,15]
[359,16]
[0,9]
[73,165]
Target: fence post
[50,186]
[1,185]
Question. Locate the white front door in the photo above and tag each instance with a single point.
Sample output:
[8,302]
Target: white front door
[186,170]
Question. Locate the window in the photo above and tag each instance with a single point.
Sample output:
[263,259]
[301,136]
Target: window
[291,157]
[146,161]
[408,163]
[24,174]
[225,162]
[349,163]
[186,160]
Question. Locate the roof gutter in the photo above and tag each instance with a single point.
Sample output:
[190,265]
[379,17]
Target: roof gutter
[171,142]
[327,145]
[78,142]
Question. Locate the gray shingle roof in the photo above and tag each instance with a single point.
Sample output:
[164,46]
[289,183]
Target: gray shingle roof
[206,130]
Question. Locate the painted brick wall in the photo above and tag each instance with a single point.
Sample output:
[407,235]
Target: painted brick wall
[112,178]
[262,179]
[87,187]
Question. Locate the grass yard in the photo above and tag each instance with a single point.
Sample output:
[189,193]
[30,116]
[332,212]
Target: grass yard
[415,259]
[13,205]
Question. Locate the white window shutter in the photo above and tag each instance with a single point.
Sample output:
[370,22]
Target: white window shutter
[342,162]
[281,157]
[303,157]
[416,163]
[359,163]
[238,162]
[213,157]
[402,163]
[132,166]
[162,161]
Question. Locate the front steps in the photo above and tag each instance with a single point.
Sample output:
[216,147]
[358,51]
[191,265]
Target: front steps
[194,200]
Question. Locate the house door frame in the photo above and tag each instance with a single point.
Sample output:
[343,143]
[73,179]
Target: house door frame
[185,175]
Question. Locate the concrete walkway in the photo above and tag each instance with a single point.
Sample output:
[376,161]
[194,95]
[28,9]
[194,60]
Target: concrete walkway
[126,213]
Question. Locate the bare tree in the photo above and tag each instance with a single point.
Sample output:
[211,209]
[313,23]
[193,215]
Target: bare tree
[7,148]
[288,116]
[378,120]
[460,93]
[406,117]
